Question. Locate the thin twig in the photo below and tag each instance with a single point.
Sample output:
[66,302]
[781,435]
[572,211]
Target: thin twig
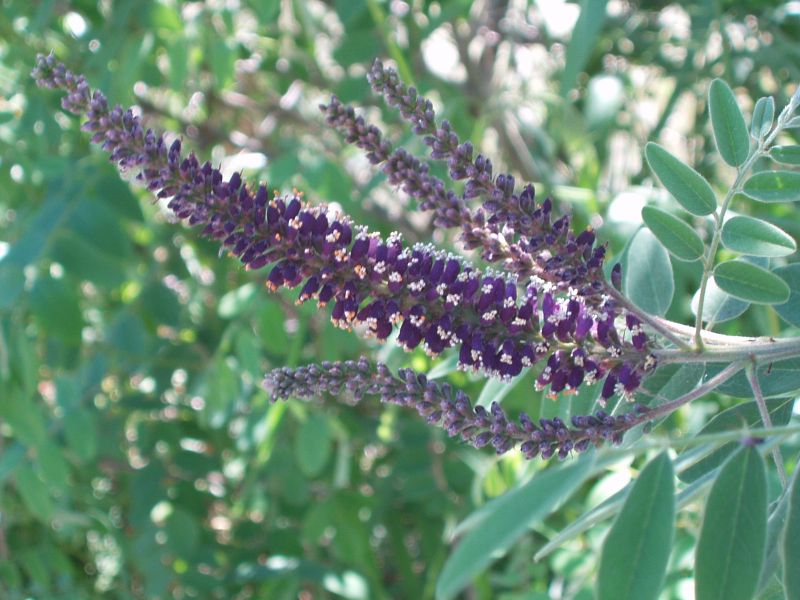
[758,350]
[653,322]
[752,378]
[699,391]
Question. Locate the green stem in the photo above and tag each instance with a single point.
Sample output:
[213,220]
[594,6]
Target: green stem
[708,259]
[753,350]
[699,391]
[735,435]
[655,322]
[719,219]
[752,378]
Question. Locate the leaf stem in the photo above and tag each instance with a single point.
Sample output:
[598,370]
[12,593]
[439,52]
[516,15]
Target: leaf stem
[752,378]
[658,324]
[756,350]
[719,219]
[701,390]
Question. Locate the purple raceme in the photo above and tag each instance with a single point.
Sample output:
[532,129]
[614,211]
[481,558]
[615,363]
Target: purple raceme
[499,324]
[514,216]
[439,405]
[550,252]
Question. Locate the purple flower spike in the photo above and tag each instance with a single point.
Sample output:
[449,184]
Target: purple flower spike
[548,305]
[437,404]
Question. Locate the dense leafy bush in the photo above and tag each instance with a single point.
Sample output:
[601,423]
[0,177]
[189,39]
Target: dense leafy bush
[142,455]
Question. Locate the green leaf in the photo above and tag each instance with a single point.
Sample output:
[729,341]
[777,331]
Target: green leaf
[24,361]
[182,533]
[730,550]
[689,188]
[313,445]
[613,505]
[23,416]
[776,378]
[730,131]
[791,540]
[10,460]
[271,328]
[12,282]
[749,282]
[52,466]
[641,537]
[84,260]
[773,186]
[507,518]
[34,493]
[81,434]
[679,238]
[763,113]
[775,525]
[494,390]
[648,275]
[789,155]
[671,381]
[444,367]
[583,42]
[667,383]
[789,311]
[756,237]
[235,302]
[718,306]
[735,418]
[55,306]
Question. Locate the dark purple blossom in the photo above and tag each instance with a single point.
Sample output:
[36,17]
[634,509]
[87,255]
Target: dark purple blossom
[440,405]
[548,250]
[499,324]
[507,211]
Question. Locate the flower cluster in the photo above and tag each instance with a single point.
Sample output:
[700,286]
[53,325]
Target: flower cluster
[439,405]
[498,324]
[548,252]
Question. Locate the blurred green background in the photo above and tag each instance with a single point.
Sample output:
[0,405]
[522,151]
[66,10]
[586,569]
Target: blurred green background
[139,456]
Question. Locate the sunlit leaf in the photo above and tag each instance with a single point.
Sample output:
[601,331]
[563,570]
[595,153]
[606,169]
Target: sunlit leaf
[763,114]
[679,238]
[641,537]
[756,237]
[444,367]
[687,186]
[507,518]
[730,550]
[237,301]
[751,283]
[494,390]
[789,155]
[773,186]
[648,275]
[730,131]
